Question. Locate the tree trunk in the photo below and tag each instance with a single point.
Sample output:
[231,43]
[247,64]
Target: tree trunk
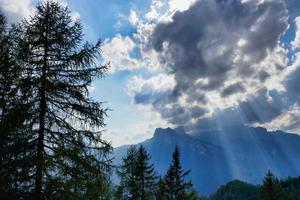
[41,131]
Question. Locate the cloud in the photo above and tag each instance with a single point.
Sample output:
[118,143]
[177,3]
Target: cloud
[16,10]
[292,81]
[296,42]
[233,89]
[118,52]
[232,67]
[75,16]
[149,91]
[289,121]
[194,47]
[133,19]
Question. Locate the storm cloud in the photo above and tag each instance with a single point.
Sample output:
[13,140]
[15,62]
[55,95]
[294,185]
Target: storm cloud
[226,57]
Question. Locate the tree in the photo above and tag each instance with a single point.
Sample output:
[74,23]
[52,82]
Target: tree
[138,177]
[128,187]
[160,191]
[14,132]
[57,72]
[271,189]
[145,174]
[176,187]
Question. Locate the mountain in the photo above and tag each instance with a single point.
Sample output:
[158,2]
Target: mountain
[217,157]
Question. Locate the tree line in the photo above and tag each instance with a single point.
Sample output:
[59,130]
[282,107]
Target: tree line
[50,128]
[138,180]
[271,188]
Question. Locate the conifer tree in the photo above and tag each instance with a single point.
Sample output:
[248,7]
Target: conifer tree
[160,191]
[57,71]
[271,189]
[176,187]
[128,187]
[146,175]
[6,93]
[14,135]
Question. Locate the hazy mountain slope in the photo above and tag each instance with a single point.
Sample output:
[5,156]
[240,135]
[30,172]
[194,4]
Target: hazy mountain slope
[217,157]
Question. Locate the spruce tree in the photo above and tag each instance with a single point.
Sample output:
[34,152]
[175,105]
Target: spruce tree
[14,134]
[6,94]
[176,187]
[57,71]
[160,191]
[128,187]
[146,175]
[271,189]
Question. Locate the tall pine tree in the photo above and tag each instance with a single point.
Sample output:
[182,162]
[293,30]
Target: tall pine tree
[176,187]
[271,189]
[137,175]
[14,134]
[66,122]
[128,187]
[146,175]
[160,191]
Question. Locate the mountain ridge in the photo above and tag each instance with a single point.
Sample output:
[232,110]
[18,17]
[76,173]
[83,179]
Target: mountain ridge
[217,157]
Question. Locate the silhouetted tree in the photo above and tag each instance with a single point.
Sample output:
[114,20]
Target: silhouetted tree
[145,174]
[176,187]
[160,191]
[128,187]
[58,70]
[14,134]
[271,189]
[137,175]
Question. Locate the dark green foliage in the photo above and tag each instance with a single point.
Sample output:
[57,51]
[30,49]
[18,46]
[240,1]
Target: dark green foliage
[176,187]
[50,129]
[237,190]
[160,192]
[291,188]
[271,188]
[193,195]
[145,174]
[138,178]
[58,71]
[128,187]
[15,159]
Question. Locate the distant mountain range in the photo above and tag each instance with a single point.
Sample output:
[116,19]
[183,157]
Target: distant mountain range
[216,157]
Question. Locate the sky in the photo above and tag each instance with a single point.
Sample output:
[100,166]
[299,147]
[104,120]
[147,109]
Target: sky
[191,62]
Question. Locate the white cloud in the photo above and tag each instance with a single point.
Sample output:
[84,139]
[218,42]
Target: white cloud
[133,18]
[180,5]
[159,84]
[129,53]
[16,9]
[118,52]
[75,16]
[296,42]
[133,133]
[119,49]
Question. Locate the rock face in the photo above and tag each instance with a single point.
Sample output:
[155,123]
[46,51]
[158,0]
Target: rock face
[216,157]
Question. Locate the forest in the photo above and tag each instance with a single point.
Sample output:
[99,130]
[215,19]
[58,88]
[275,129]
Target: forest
[51,144]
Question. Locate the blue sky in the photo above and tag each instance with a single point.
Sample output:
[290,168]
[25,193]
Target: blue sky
[184,63]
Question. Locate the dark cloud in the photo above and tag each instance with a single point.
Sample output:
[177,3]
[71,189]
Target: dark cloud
[260,108]
[292,84]
[216,42]
[233,89]
[263,76]
[203,41]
